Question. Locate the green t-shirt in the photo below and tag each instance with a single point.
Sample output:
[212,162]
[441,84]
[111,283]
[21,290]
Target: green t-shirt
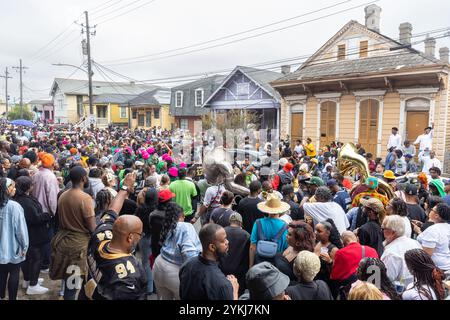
[184,191]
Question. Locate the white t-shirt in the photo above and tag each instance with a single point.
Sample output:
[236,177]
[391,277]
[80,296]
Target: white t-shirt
[437,237]
[428,163]
[425,141]
[394,259]
[413,294]
[321,211]
[298,149]
[212,196]
[395,141]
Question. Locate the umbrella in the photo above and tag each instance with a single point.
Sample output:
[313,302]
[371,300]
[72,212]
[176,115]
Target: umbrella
[22,122]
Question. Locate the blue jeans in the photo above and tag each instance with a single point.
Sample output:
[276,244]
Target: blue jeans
[146,251]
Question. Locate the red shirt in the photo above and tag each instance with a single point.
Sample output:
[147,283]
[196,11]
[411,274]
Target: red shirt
[347,259]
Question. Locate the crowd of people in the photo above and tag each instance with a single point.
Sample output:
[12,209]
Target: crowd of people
[114,214]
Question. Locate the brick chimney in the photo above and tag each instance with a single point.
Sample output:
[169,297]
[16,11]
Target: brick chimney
[405,32]
[444,55]
[285,69]
[373,17]
[430,47]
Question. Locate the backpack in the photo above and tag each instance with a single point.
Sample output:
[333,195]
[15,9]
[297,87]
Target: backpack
[268,248]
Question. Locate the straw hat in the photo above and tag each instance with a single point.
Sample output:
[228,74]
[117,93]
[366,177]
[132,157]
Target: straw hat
[273,205]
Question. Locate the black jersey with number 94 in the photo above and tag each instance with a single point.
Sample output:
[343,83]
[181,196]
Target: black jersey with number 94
[112,276]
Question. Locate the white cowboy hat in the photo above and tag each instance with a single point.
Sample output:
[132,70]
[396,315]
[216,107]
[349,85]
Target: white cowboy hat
[273,205]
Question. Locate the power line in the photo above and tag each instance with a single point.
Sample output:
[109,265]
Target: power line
[115,10]
[51,53]
[97,8]
[228,36]
[39,51]
[300,59]
[126,12]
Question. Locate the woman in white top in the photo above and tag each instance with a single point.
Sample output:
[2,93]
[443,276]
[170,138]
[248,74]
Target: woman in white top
[435,239]
[428,278]
[398,207]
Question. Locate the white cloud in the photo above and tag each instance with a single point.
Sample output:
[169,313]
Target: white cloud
[169,24]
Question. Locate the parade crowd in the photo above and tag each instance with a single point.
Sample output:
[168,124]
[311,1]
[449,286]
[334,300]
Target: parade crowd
[114,215]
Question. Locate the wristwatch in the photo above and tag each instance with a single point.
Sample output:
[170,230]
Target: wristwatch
[125,188]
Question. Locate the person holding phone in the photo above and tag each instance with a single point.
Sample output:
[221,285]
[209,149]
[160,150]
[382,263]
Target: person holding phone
[329,243]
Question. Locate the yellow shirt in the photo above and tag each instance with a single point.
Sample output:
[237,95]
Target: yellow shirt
[310,150]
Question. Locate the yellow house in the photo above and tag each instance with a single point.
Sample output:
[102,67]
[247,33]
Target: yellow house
[69,97]
[111,109]
[151,109]
[361,83]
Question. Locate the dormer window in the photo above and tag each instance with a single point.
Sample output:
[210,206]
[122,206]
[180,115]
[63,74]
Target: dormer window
[341,52]
[199,94]
[363,49]
[179,99]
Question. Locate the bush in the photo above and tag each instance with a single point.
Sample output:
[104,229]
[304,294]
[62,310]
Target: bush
[14,113]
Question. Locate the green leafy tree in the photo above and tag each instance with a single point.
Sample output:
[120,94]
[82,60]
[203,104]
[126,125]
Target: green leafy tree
[14,113]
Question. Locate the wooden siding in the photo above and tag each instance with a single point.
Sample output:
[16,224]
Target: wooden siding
[347,118]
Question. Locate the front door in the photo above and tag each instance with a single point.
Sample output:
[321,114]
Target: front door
[327,123]
[416,122]
[368,125]
[296,127]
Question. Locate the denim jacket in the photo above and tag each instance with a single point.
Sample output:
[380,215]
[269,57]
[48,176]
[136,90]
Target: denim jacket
[13,233]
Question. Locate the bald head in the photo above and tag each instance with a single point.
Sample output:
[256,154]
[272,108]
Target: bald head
[125,225]
[24,163]
[348,237]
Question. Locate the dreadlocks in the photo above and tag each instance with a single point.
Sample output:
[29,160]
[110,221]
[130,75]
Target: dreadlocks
[426,274]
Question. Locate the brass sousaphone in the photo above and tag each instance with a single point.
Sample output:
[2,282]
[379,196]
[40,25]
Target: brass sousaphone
[351,162]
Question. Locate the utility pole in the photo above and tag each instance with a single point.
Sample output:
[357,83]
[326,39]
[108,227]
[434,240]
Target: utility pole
[21,68]
[6,89]
[88,47]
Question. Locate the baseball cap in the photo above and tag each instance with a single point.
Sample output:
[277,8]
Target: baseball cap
[332,182]
[235,217]
[411,189]
[265,282]
[165,195]
[373,203]
[315,181]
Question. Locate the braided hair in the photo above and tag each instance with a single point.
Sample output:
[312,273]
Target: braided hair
[426,274]
[386,285]
[172,214]
[102,201]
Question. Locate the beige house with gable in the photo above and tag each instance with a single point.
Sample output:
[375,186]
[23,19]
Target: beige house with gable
[361,83]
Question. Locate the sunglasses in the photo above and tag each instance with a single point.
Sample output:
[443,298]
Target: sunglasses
[140,234]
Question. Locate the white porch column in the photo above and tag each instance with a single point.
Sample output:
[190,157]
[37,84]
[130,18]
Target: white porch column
[288,114]
[318,125]
[338,111]
[278,123]
[432,111]
[380,127]
[358,105]
[401,125]
[109,113]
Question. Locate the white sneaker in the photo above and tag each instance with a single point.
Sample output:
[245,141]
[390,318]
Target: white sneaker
[26,284]
[37,289]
